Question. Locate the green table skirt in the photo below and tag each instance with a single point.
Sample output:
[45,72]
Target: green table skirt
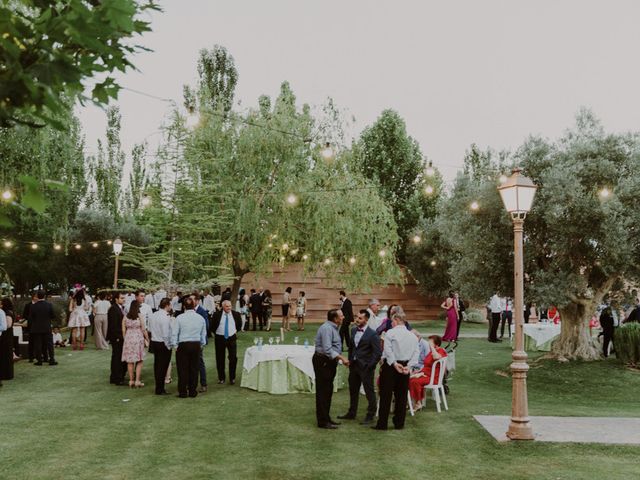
[530,345]
[281,377]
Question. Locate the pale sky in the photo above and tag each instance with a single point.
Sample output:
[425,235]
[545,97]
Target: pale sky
[485,71]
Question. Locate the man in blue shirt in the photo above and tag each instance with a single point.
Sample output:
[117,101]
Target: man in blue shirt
[190,335]
[328,352]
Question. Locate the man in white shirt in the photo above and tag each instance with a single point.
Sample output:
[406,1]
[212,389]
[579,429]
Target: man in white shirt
[176,303]
[507,315]
[209,303]
[158,296]
[495,305]
[128,298]
[374,308]
[150,299]
[400,351]
[145,309]
[160,330]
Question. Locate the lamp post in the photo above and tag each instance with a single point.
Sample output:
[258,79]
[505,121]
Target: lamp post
[517,194]
[117,250]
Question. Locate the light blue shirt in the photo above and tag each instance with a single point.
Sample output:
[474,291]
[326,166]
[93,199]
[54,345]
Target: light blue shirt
[190,327]
[3,321]
[328,340]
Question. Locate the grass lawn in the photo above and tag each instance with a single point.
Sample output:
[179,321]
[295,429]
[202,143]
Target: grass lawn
[67,422]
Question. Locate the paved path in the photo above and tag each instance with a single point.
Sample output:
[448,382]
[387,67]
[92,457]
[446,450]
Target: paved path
[615,430]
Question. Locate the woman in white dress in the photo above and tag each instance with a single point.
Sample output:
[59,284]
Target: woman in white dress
[301,310]
[78,319]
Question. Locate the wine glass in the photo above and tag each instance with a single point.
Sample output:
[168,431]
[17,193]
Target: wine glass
[270,340]
[277,340]
[295,340]
[255,340]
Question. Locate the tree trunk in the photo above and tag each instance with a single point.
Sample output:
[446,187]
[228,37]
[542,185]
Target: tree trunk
[575,342]
[238,273]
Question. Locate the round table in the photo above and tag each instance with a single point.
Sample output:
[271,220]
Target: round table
[282,369]
[539,336]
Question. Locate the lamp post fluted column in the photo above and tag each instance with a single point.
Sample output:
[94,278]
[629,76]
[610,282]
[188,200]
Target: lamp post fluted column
[519,426]
[115,274]
[117,250]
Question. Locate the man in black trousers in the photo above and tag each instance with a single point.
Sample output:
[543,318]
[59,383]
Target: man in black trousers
[255,307]
[40,317]
[400,350]
[160,331]
[347,309]
[226,325]
[189,335]
[325,362]
[364,355]
[115,338]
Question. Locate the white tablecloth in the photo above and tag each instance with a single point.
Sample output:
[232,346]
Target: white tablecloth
[541,333]
[297,355]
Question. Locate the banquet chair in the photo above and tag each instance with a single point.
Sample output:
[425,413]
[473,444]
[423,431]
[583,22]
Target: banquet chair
[435,385]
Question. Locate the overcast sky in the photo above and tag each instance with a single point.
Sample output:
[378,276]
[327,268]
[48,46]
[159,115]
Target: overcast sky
[485,71]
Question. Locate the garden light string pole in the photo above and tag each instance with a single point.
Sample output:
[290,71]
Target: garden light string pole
[117,250]
[517,194]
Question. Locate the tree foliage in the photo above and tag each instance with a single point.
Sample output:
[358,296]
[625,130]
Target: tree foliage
[580,245]
[49,49]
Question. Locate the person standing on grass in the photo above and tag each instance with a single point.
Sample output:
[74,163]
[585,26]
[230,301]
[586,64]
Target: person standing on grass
[347,309]
[78,319]
[115,314]
[286,301]
[608,328]
[202,368]
[328,350]
[364,355]
[160,329]
[374,308]
[301,309]
[189,336]
[255,304]
[41,315]
[6,340]
[507,315]
[226,325]
[100,322]
[400,351]
[451,330]
[133,348]
[3,328]
[267,309]
[495,306]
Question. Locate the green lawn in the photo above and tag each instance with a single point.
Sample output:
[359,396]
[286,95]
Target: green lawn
[68,422]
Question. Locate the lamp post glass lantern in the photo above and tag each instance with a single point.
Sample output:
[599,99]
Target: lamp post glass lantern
[117,250]
[517,194]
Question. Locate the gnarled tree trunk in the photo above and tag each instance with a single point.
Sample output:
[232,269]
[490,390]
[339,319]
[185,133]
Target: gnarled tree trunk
[575,342]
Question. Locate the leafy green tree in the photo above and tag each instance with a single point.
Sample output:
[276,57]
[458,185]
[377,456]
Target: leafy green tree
[580,237]
[138,178]
[390,157]
[50,49]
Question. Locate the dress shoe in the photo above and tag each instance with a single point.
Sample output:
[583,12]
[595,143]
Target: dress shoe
[232,382]
[376,427]
[53,362]
[328,426]
[38,364]
[220,382]
[181,396]
[367,421]
[346,416]
[203,389]
[334,423]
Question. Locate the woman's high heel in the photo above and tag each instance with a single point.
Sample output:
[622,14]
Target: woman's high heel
[131,384]
[139,384]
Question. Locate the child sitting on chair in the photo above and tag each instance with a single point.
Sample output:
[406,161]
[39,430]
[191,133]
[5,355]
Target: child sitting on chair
[57,338]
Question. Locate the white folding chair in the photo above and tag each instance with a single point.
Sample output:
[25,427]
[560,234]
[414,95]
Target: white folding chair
[435,385]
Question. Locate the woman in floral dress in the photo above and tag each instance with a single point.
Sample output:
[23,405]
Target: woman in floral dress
[135,340]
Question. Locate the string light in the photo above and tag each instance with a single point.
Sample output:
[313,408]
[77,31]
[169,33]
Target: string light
[281,258]
[57,247]
[433,263]
[474,206]
[7,195]
[294,251]
[146,201]
[327,261]
[428,190]
[327,152]
[109,242]
[34,246]
[605,192]
[94,244]
[417,239]
[270,245]
[382,253]
[77,246]
[352,260]
[305,257]
[285,246]
[292,199]
[8,244]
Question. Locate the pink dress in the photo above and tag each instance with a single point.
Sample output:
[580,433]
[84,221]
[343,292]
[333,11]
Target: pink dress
[451,331]
[133,347]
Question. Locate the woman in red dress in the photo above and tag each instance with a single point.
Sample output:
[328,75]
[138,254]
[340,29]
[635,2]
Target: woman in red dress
[451,331]
[421,378]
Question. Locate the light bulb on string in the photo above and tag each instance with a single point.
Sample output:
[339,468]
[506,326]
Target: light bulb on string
[428,189]
[292,199]
[109,242]
[417,239]
[382,253]
[327,261]
[7,195]
[34,246]
[94,244]
[474,206]
[285,247]
[327,153]
[605,193]
[352,260]
[270,245]
[433,263]
[305,257]
[281,258]
[294,251]
[146,201]
[7,244]
[57,247]
[77,246]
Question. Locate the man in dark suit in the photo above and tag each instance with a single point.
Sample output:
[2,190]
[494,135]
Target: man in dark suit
[40,317]
[347,311]
[255,307]
[115,338]
[226,324]
[364,354]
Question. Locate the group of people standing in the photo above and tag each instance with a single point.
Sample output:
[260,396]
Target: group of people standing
[257,307]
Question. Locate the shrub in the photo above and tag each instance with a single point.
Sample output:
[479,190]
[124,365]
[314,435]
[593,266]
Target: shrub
[475,316]
[627,343]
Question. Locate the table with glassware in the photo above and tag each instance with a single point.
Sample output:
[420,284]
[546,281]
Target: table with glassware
[282,369]
[540,336]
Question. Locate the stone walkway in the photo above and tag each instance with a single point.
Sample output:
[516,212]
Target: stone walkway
[614,430]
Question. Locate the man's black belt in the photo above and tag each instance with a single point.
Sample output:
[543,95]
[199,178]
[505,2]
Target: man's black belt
[404,363]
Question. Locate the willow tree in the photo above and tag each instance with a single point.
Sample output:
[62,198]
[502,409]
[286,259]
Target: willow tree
[278,200]
[581,236]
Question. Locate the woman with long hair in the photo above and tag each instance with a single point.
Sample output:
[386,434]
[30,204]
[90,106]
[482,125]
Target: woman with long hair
[423,377]
[286,301]
[78,319]
[451,331]
[267,308]
[135,340]
[6,342]
[301,310]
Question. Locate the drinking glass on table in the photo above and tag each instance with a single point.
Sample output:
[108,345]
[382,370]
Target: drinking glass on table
[270,340]
[295,340]
[255,340]
[277,340]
